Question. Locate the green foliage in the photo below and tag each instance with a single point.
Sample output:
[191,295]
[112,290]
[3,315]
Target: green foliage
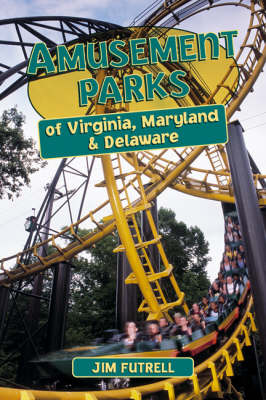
[16,339]
[19,157]
[93,286]
[187,250]
[93,291]
[195,285]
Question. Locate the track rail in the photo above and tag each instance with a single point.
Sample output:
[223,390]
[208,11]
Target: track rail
[206,378]
[65,253]
[213,183]
[199,182]
[162,172]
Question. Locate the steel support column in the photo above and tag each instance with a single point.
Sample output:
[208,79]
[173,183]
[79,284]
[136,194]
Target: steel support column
[58,307]
[4,299]
[44,220]
[148,235]
[263,213]
[251,223]
[126,295]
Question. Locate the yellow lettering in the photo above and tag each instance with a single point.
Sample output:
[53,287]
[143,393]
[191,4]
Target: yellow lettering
[157,368]
[173,137]
[149,368]
[108,142]
[124,366]
[213,116]
[95,371]
[147,122]
[164,135]
[119,142]
[111,368]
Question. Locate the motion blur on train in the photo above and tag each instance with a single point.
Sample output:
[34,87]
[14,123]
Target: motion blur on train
[208,325]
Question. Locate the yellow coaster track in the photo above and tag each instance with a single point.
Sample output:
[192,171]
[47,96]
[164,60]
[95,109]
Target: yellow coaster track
[124,178]
[206,378]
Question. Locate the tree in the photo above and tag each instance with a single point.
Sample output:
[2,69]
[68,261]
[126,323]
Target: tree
[92,293]
[19,157]
[187,250]
[93,287]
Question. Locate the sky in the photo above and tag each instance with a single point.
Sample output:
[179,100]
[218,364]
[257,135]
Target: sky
[193,211]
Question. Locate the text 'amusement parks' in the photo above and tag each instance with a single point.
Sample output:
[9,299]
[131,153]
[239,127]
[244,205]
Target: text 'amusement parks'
[137,53]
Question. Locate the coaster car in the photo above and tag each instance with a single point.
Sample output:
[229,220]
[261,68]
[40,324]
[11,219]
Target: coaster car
[58,365]
[200,341]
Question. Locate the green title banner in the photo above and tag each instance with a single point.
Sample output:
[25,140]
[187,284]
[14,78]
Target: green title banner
[132,131]
[83,367]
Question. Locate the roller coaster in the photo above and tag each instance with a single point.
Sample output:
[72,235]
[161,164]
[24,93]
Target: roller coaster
[127,185]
